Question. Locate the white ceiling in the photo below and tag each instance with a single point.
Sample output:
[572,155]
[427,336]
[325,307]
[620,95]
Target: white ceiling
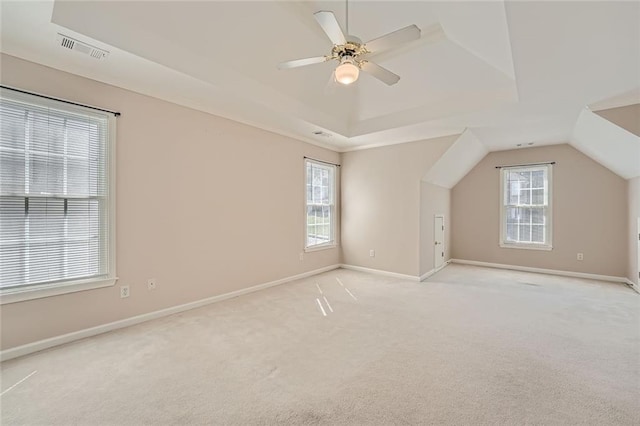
[511,72]
[621,151]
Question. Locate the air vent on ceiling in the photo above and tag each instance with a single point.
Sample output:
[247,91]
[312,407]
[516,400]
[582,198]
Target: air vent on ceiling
[82,47]
[321,133]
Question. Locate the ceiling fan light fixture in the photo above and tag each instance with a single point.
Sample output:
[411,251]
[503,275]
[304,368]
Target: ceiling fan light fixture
[347,72]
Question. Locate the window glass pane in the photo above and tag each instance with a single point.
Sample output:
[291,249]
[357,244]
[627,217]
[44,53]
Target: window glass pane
[46,174]
[524,178]
[12,219]
[538,197]
[514,190]
[12,172]
[320,203]
[47,133]
[537,179]
[12,130]
[46,150]
[83,264]
[512,214]
[55,258]
[524,231]
[78,178]
[83,219]
[325,233]
[79,138]
[537,215]
[525,187]
[325,195]
[311,236]
[317,176]
[46,219]
[317,194]
[537,233]
[311,217]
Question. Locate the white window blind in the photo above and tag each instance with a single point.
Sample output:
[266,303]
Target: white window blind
[320,214]
[526,206]
[54,192]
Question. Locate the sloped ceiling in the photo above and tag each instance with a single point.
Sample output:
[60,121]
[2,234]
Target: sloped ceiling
[457,161]
[610,145]
[509,72]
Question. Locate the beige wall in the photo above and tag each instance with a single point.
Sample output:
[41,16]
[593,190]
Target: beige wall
[207,206]
[204,204]
[627,117]
[634,231]
[589,214]
[381,204]
[434,200]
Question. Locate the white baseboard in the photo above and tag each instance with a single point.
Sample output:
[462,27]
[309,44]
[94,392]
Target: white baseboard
[381,272]
[433,271]
[394,274]
[88,332]
[543,271]
[427,275]
[635,287]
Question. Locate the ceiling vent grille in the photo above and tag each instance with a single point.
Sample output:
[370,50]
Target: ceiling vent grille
[82,47]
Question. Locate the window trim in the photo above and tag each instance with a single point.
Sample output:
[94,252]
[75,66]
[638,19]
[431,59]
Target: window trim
[37,291]
[548,245]
[332,243]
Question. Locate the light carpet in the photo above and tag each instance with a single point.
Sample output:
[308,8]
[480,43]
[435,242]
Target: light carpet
[469,346]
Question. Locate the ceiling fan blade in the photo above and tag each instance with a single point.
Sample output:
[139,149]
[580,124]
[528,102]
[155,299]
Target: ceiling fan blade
[302,62]
[380,73]
[396,38]
[329,24]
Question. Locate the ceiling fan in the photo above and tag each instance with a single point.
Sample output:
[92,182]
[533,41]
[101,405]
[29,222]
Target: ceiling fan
[352,53]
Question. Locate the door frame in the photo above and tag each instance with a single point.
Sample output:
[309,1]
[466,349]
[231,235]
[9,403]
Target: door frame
[435,250]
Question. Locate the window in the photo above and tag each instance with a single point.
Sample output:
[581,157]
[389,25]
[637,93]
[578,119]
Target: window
[56,216]
[526,207]
[320,218]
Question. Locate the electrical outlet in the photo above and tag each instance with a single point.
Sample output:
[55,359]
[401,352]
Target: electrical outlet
[124,291]
[301,256]
[151,284]
[372,253]
[580,256]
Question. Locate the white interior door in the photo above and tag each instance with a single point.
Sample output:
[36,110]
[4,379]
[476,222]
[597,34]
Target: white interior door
[438,241]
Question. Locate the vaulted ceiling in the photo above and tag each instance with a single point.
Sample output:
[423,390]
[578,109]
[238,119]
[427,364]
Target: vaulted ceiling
[509,72]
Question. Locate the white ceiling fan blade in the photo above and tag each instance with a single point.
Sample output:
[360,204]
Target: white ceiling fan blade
[302,62]
[380,73]
[396,38]
[329,24]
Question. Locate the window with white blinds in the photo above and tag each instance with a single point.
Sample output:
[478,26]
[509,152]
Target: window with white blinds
[55,211]
[526,207]
[320,200]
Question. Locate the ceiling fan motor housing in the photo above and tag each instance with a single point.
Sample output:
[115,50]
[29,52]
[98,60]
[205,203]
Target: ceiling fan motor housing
[352,48]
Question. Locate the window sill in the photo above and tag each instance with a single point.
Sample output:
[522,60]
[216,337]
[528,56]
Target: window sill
[46,290]
[527,246]
[319,247]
